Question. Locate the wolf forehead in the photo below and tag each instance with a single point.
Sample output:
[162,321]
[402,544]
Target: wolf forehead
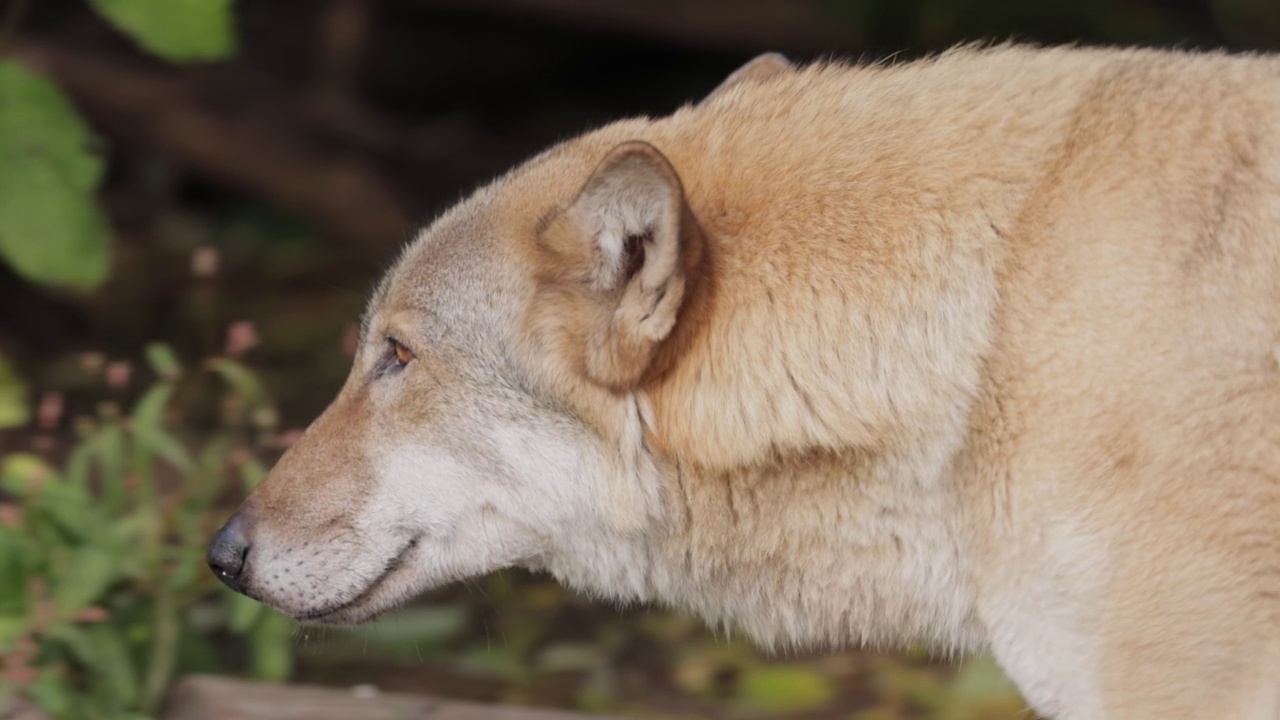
[469,270]
[452,277]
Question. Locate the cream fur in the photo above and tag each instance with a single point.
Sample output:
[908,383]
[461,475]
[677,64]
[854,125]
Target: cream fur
[978,350]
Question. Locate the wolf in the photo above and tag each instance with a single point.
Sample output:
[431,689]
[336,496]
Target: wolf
[980,351]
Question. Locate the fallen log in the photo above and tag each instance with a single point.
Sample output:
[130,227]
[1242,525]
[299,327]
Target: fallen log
[206,697]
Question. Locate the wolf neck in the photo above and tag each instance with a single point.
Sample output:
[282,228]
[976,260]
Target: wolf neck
[808,421]
[811,402]
[871,340]
[825,550]
[809,414]
[809,436]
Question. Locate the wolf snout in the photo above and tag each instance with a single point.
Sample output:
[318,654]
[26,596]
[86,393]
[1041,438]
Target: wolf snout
[229,552]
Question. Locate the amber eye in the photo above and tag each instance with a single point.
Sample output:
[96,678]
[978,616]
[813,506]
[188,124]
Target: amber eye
[403,354]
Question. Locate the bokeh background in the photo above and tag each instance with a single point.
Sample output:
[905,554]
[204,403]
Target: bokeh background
[195,197]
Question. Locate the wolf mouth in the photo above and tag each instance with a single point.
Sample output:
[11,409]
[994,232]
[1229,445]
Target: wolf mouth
[390,569]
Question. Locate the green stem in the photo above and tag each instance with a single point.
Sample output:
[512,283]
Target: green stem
[164,649]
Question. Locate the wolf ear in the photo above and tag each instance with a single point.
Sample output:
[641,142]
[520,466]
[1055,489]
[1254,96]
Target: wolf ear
[626,234]
[760,68]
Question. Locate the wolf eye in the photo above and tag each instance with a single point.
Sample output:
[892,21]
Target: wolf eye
[402,354]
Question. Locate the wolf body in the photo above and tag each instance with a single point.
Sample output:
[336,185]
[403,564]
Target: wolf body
[980,351]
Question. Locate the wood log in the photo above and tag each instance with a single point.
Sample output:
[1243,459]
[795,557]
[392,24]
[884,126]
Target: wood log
[201,697]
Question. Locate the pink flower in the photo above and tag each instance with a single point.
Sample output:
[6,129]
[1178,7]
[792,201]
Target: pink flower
[241,335]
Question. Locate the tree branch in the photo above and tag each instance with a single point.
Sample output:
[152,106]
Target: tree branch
[341,194]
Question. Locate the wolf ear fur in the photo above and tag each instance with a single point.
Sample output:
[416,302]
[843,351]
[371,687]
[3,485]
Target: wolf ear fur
[623,238]
[759,68]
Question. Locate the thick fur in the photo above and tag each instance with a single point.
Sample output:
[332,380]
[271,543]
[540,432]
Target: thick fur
[981,351]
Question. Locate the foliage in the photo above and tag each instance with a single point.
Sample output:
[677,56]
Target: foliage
[179,30]
[538,643]
[51,228]
[104,596]
[13,398]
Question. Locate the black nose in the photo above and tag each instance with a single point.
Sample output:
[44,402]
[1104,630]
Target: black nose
[229,551]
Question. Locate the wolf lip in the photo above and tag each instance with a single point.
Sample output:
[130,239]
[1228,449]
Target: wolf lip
[332,611]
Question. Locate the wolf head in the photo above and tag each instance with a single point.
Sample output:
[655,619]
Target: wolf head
[488,420]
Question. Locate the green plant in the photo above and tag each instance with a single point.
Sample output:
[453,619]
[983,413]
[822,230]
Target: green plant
[51,228]
[13,398]
[104,596]
[52,231]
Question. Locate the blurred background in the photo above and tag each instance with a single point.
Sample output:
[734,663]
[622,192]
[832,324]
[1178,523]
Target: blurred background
[195,198]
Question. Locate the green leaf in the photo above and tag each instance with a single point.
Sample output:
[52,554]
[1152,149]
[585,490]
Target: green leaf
[167,447]
[71,508]
[411,634]
[163,655]
[418,624]
[125,535]
[178,30]
[10,628]
[88,574]
[13,574]
[53,694]
[252,473]
[101,650]
[51,229]
[187,565]
[164,360]
[571,657]
[77,472]
[242,611]
[203,483]
[242,381]
[24,474]
[981,690]
[272,647]
[68,506]
[494,661]
[148,428]
[197,652]
[74,640]
[982,679]
[14,411]
[109,446]
[785,689]
[148,414]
